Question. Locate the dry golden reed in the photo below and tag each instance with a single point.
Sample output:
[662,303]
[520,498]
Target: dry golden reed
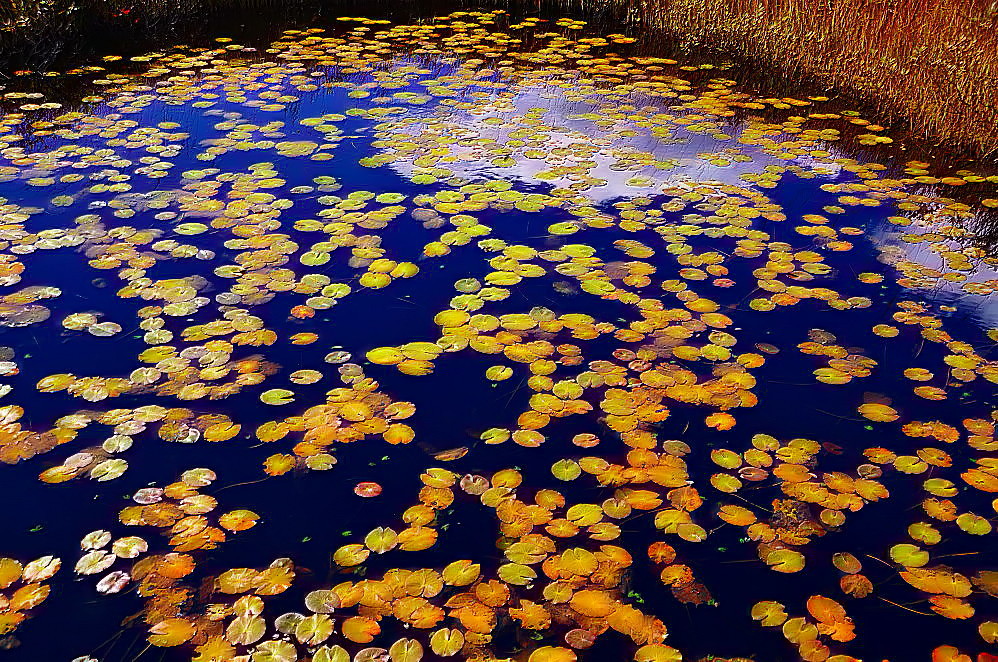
[932,62]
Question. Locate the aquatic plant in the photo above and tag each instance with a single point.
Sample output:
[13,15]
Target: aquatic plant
[710,359]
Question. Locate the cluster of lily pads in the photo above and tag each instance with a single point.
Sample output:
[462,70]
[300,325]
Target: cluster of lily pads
[623,240]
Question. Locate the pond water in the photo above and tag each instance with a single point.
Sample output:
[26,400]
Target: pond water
[486,339]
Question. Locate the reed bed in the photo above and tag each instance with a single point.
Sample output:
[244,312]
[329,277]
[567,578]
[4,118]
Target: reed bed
[932,63]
